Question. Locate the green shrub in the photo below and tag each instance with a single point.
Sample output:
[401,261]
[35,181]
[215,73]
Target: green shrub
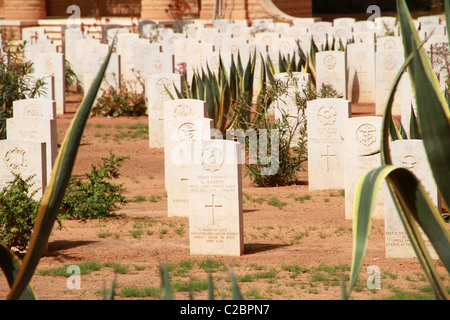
[123,100]
[18,212]
[14,83]
[97,197]
[292,139]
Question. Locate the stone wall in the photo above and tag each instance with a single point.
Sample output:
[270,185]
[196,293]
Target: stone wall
[93,8]
[24,9]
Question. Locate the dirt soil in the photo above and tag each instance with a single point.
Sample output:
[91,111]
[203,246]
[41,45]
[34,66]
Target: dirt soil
[309,235]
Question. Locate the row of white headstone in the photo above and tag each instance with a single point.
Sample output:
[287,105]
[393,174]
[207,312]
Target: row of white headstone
[203,179]
[30,148]
[342,148]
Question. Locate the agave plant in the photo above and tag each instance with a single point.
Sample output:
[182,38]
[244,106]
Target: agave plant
[228,97]
[413,204]
[19,275]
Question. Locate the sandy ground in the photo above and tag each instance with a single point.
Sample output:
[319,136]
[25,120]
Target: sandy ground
[294,252]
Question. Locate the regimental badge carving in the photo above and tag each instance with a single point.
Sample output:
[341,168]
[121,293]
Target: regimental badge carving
[409,162]
[389,45]
[157,64]
[329,62]
[214,62]
[161,86]
[33,111]
[16,160]
[212,159]
[183,111]
[327,115]
[200,54]
[187,132]
[389,62]
[366,134]
[285,47]
[267,40]
[321,29]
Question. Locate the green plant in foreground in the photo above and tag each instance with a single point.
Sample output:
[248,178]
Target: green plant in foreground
[413,204]
[19,274]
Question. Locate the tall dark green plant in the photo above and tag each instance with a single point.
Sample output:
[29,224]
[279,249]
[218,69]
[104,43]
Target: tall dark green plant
[19,274]
[414,206]
[229,96]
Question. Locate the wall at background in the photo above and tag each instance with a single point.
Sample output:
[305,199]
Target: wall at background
[93,8]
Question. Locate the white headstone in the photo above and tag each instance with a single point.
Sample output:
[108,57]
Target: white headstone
[156,94]
[27,158]
[158,62]
[411,155]
[331,68]
[52,63]
[36,129]
[183,108]
[40,108]
[325,129]
[361,139]
[179,135]
[389,43]
[361,72]
[388,64]
[428,20]
[215,199]
[344,22]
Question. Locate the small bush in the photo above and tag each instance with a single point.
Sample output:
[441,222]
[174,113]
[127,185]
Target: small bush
[18,212]
[292,136]
[97,197]
[117,101]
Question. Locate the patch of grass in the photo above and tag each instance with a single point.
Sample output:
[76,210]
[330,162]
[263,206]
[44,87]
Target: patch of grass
[270,274]
[295,269]
[154,198]
[299,236]
[253,294]
[389,274]
[104,234]
[211,264]
[85,268]
[302,198]
[194,284]
[118,267]
[137,233]
[400,294]
[180,231]
[276,203]
[135,292]
[257,266]
[245,278]
[138,199]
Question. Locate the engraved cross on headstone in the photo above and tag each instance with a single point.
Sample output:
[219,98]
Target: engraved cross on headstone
[212,206]
[328,155]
